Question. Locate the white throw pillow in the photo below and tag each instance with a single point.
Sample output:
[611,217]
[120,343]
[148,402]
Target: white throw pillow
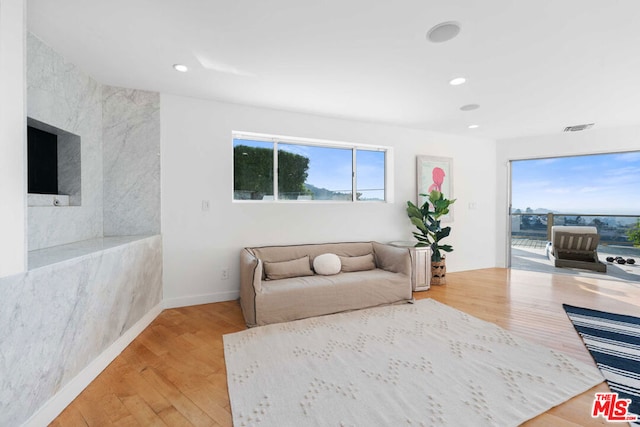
[327,264]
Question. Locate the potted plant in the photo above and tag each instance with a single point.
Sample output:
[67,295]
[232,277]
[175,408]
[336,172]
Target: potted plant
[431,232]
[634,234]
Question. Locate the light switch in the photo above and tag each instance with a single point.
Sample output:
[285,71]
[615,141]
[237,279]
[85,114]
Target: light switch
[205,205]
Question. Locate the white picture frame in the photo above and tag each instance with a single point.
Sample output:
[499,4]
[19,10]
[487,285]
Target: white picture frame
[435,173]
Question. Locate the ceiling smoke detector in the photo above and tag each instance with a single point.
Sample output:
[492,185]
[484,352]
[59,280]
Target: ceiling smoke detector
[577,128]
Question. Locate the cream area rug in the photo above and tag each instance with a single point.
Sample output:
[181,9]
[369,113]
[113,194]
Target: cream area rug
[422,364]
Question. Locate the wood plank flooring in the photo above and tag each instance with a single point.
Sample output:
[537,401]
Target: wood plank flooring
[173,374]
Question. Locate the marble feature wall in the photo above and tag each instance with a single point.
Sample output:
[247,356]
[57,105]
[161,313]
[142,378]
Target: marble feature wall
[70,167]
[59,318]
[61,95]
[131,147]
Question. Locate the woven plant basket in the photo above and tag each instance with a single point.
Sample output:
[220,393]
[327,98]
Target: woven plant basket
[438,272]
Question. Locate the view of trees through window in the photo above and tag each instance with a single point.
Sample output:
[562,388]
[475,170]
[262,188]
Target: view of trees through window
[306,172]
[253,169]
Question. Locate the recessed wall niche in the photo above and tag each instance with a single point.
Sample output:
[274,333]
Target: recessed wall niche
[54,165]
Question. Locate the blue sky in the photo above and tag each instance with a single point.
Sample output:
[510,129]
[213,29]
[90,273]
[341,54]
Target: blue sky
[598,184]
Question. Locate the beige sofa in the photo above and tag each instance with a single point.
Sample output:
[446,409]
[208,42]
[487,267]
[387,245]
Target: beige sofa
[385,279]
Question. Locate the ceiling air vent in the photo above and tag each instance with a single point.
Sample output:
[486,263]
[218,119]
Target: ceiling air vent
[577,128]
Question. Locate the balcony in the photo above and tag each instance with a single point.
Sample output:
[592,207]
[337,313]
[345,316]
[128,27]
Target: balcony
[530,233]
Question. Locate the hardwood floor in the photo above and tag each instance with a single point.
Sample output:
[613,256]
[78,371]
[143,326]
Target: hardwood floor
[173,373]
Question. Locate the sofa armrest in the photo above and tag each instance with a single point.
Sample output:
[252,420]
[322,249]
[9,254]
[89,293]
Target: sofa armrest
[250,284]
[392,258]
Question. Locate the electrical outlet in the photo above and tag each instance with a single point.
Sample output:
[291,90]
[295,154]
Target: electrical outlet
[225,274]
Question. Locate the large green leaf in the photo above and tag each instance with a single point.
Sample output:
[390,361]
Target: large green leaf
[414,212]
[435,195]
[440,205]
[418,223]
[441,234]
[421,237]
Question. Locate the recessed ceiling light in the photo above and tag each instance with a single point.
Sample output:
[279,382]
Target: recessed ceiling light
[180,67]
[443,32]
[469,107]
[474,126]
[457,81]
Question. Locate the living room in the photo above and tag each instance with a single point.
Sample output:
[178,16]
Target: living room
[200,244]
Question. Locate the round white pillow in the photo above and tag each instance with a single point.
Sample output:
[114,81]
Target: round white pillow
[327,264]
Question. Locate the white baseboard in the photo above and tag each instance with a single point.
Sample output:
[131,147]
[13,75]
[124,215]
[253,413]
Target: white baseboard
[54,406]
[201,299]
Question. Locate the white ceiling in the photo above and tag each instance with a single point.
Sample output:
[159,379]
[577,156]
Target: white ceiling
[534,66]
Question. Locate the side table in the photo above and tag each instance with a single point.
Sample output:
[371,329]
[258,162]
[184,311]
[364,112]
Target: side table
[420,265]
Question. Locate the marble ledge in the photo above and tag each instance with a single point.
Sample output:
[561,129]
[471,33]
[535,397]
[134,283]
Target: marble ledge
[56,254]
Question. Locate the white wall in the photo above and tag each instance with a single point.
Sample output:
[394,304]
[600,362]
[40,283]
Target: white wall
[593,141]
[12,138]
[197,165]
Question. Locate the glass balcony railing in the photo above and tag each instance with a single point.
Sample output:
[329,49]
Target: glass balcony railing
[536,227]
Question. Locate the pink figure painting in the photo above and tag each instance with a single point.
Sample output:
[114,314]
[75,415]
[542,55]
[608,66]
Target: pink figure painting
[438,179]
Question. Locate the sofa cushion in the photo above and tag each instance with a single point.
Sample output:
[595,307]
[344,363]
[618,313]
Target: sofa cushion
[357,263]
[298,298]
[286,253]
[327,264]
[286,269]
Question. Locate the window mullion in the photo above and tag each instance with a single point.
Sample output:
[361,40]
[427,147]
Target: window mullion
[354,183]
[275,171]
[386,171]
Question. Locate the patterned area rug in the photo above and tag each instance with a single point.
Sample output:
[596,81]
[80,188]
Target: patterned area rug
[421,364]
[614,343]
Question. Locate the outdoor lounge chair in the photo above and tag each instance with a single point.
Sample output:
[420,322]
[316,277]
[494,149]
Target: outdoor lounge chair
[575,247]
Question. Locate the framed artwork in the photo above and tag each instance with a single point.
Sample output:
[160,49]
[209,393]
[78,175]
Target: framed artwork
[435,173]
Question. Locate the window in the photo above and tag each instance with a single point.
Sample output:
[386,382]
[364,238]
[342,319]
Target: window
[252,170]
[370,167]
[301,169]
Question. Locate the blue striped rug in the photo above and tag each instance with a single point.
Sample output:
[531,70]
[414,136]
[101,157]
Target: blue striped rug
[614,343]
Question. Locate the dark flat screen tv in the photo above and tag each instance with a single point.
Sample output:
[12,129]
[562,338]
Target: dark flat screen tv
[42,166]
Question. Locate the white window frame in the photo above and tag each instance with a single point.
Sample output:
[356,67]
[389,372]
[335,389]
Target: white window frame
[275,139]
